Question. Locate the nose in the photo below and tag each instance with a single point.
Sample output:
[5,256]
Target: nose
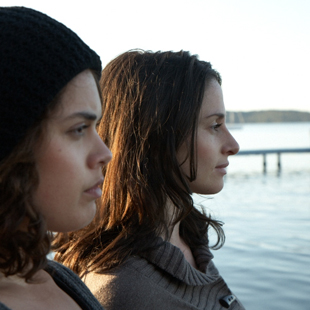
[106,155]
[101,154]
[231,146]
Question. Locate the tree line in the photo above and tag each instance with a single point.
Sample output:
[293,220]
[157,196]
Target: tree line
[270,116]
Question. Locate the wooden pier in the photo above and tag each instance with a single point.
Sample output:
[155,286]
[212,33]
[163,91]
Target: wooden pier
[273,151]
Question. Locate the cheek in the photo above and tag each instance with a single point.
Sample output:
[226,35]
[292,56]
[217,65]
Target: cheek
[58,170]
[58,159]
[59,164]
[204,151]
[59,192]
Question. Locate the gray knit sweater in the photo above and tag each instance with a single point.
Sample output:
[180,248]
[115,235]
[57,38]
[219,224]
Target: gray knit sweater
[163,280]
[72,285]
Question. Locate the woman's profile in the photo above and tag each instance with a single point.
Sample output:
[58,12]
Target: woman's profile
[51,156]
[148,248]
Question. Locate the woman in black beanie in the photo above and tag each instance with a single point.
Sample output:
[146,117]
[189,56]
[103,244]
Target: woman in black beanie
[51,156]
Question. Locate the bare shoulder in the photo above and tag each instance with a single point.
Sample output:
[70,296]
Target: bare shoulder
[42,293]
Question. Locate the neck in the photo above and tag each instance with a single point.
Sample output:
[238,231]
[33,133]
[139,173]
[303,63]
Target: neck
[176,239]
[39,277]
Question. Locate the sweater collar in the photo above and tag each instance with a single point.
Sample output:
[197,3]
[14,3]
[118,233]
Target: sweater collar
[171,259]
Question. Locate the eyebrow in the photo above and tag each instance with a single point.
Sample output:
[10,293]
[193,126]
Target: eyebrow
[219,115]
[86,115]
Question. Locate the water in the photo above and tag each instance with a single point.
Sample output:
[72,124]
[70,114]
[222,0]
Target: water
[266,257]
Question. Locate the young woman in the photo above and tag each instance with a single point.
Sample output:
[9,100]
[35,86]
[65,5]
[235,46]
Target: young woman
[148,247]
[51,156]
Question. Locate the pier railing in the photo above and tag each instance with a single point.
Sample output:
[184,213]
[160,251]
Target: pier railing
[273,151]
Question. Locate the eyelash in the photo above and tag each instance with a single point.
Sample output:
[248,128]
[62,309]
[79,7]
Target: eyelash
[79,131]
[216,126]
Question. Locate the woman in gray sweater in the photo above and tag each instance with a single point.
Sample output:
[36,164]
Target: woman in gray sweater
[50,157]
[148,247]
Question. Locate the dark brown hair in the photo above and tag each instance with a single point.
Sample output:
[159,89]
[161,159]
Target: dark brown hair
[151,106]
[29,245]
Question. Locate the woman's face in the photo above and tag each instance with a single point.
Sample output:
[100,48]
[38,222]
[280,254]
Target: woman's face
[214,144]
[70,158]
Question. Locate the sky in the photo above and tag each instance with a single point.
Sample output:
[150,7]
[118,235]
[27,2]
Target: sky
[260,47]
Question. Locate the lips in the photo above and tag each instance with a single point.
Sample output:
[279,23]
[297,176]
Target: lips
[95,190]
[222,168]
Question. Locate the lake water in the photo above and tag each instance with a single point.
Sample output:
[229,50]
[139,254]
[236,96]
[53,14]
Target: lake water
[266,257]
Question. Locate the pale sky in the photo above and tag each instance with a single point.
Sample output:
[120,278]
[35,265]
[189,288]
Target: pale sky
[260,47]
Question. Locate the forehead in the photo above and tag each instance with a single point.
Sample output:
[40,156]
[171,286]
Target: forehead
[212,102]
[80,94]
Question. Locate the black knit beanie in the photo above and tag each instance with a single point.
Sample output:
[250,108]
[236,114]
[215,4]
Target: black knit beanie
[38,57]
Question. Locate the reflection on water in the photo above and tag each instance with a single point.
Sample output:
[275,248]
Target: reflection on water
[266,257]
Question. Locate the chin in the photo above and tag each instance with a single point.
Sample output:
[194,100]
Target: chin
[209,190]
[71,224]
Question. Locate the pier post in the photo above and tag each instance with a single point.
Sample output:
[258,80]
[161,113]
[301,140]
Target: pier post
[279,162]
[264,162]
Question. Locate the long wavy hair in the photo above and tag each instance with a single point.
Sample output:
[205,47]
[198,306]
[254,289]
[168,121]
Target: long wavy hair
[24,240]
[151,106]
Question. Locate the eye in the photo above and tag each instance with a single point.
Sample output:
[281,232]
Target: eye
[216,126]
[80,130]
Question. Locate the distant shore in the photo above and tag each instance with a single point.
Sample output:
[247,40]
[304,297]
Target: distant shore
[268,116]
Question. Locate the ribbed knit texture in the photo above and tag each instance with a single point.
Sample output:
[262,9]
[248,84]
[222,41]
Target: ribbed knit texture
[38,57]
[70,283]
[164,280]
